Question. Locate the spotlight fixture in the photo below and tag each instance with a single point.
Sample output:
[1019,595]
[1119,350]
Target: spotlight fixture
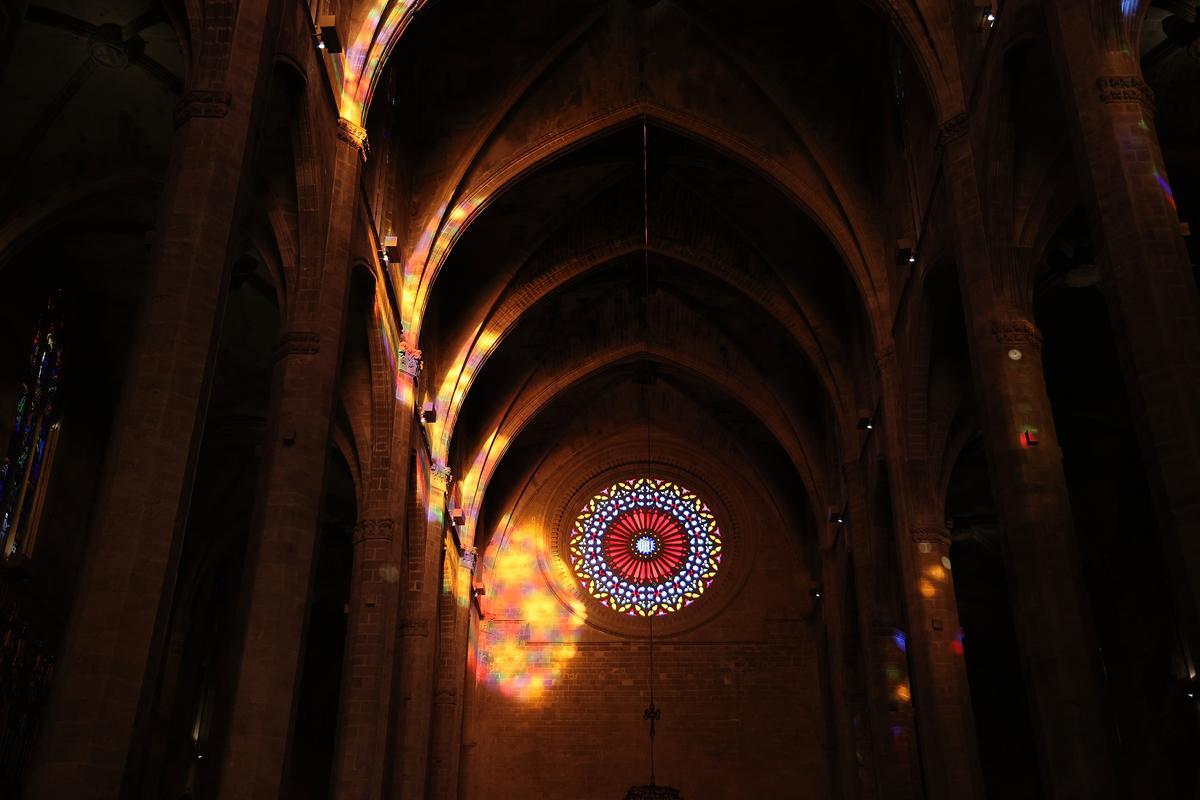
[327,34]
[429,413]
[987,18]
[906,252]
[458,516]
[865,423]
[1030,438]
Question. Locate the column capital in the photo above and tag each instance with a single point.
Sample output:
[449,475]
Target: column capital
[468,558]
[1126,89]
[409,360]
[373,529]
[440,477]
[355,135]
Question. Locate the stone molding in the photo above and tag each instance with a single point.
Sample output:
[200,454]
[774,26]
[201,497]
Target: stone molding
[298,343]
[354,135]
[374,530]
[1019,333]
[953,129]
[412,627]
[931,534]
[1125,89]
[202,103]
[885,358]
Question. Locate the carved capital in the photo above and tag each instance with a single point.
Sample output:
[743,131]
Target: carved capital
[1018,333]
[373,530]
[952,130]
[468,558]
[354,135]
[202,103]
[409,361]
[298,343]
[440,477]
[1125,89]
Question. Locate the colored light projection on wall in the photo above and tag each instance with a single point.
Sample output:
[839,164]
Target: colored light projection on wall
[896,668]
[646,547]
[369,47]
[527,636]
[1168,193]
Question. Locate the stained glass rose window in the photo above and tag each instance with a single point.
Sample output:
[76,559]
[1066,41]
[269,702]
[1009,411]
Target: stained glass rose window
[646,547]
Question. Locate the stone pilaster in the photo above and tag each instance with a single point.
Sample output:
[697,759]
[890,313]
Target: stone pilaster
[450,684]
[365,718]
[419,630]
[106,680]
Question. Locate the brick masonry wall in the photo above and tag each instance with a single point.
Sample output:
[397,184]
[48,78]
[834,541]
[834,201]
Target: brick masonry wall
[740,697]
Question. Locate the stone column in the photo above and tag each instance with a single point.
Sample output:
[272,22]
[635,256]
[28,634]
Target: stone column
[103,689]
[1050,610]
[1148,282]
[418,631]
[888,696]
[946,722]
[365,707]
[449,687]
[278,572]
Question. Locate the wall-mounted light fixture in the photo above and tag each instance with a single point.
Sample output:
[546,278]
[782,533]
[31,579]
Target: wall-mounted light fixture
[429,413]
[987,18]
[327,34]
[1029,438]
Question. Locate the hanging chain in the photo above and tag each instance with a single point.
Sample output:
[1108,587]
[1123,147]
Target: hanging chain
[651,714]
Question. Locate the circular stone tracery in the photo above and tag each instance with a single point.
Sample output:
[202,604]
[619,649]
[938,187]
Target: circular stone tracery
[646,547]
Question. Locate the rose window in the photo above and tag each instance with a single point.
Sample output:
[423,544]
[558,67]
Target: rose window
[646,546]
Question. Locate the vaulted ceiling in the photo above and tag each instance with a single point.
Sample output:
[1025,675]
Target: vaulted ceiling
[619,212]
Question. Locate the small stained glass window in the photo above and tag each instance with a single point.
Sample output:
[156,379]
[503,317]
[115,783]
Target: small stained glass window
[25,464]
[646,547]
